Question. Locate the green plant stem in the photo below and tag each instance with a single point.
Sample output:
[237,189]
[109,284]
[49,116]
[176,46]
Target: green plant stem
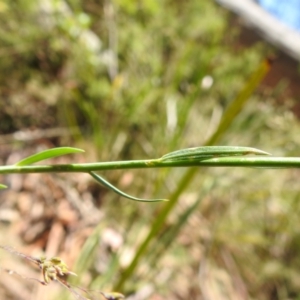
[253,161]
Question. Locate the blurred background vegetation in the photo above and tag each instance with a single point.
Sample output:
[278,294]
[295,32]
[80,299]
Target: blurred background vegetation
[124,80]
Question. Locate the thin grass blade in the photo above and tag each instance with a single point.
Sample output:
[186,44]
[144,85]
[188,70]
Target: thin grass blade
[117,191]
[171,234]
[237,105]
[87,253]
[3,186]
[50,153]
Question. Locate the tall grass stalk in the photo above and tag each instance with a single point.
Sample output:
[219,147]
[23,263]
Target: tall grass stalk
[232,111]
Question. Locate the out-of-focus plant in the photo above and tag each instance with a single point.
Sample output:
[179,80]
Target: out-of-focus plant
[55,269]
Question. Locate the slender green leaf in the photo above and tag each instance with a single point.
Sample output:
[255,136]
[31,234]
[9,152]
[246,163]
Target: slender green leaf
[110,186]
[205,152]
[46,154]
[2,186]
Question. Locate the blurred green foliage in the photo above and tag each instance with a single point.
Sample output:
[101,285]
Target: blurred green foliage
[132,76]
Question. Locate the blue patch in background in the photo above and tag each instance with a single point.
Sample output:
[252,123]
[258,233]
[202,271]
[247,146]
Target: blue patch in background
[287,11]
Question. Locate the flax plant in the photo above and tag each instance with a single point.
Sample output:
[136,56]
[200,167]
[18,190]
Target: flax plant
[103,91]
[208,156]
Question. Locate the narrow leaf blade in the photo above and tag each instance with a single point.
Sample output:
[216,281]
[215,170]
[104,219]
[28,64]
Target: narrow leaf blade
[117,191]
[3,186]
[46,154]
[206,152]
